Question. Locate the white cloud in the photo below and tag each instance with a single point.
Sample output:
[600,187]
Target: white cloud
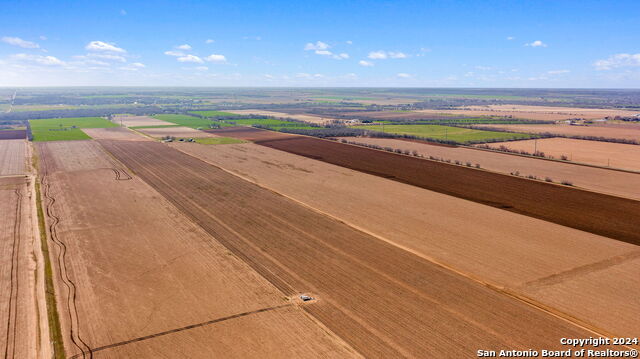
[42,37]
[318,46]
[269,76]
[381,55]
[558,72]
[108,57]
[190,58]
[16,41]
[536,43]
[349,42]
[510,38]
[215,58]
[174,53]
[185,47]
[209,41]
[365,63]
[397,55]
[377,55]
[103,46]
[484,68]
[322,49]
[39,59]
[618,60]
[201,68]
[402,75]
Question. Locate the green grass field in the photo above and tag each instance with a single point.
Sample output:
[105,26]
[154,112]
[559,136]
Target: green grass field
[213,113]
[218,140]
[61,129]
[456,134]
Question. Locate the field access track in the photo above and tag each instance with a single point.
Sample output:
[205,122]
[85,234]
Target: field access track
[597,213]
[382,300]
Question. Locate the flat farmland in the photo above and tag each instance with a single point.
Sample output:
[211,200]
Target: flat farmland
[178,131]
[382,300]
[137,121]
[23,329]
[545,113]
[13,134]
[600,214]
[63,129]
[617,155]
[114,133]
[399,115]
[569,130]
[601,180]
[319,120]
[164,284]
[13,157]
[457,134]
[490,245]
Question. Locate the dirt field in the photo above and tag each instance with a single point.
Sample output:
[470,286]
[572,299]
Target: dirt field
[113,133]
[546,113]
[13,135]
[159,273]
[398,115]
[569,130]
[382,300]
[491,245]
[615,155]
[12,157]
[23,330]
[306,118]
[133,121]
[600,214]
[176,132]
[601,180]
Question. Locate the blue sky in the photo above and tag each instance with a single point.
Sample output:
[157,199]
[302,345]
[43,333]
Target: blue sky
[323,43]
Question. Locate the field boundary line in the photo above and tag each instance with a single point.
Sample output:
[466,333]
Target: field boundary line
[55,330]
[552,159]
[498,172]
[493,286]
[181,329]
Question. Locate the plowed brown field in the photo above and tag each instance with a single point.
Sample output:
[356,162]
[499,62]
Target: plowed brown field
[597,153]
[491,245]
[618,183]
[178,131]
[306,118]
[383,300]
[133,121]
[569,130]
[13,135]
[12,157]
[136,278]
[545,113]
[113,133]
[593,212]
[22,335]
